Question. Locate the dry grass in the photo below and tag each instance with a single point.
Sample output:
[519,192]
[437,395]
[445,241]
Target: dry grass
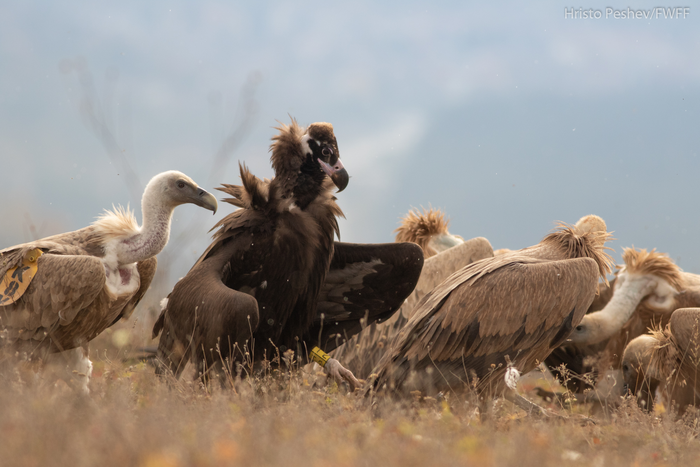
[132,418]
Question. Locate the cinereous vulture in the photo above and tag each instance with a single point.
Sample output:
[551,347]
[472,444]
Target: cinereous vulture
[499,316]
[60,292]
[666,362]
[273,279]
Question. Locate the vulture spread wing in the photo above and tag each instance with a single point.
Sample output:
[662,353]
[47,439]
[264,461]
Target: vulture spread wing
[518,307]
[365,284]
[361,353]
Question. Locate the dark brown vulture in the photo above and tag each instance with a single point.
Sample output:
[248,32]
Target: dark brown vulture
[273,279]
[60,292]
[429,230]
[666,362]
[499,316]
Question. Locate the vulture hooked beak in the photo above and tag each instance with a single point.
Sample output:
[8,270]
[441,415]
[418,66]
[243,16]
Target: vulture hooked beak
[337,173]
[206,200]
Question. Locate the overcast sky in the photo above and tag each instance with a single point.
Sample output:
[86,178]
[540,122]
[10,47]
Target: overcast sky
[509,116]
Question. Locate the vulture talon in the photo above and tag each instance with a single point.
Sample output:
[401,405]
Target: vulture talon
[339,373]
[532,408]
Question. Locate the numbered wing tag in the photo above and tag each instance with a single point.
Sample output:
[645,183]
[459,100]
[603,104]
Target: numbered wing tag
[16,280]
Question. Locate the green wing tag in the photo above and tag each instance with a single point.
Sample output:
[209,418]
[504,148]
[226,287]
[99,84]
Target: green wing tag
[16,280]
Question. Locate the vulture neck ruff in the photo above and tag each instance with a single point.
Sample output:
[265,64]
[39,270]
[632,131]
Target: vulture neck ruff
[428,229]
[668,276]
[574,243]
[124,241]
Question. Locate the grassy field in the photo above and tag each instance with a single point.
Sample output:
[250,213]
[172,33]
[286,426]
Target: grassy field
[133,418]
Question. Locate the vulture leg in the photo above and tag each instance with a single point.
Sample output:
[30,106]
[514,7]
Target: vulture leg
[532,408]
[173,352]
[72,366]
[525,404]
[339,373]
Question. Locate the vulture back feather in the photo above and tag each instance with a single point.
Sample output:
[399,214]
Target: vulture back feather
[513,307]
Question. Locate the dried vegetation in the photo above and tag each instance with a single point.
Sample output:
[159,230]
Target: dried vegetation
[281,418]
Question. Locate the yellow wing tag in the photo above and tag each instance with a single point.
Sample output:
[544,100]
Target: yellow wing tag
[17,279]
[319,356]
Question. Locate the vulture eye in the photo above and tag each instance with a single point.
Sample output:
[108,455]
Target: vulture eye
[327,151]
[579,328]
[180,184]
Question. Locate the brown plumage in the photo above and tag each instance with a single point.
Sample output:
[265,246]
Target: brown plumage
[273,278]
[362,353]
[517,306]
[672,289]
[578,358]
[647,278]
[668,360]
[88,279]
[428,229]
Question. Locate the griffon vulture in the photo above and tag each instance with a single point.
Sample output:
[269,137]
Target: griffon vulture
[427,229]
[499,316]
[60,292]
[363,351]
[577,358]
[668,360]
[646,280]
[273,279]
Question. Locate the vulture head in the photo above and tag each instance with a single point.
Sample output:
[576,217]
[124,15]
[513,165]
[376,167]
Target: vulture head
[303,158]
[428,229]
[170,189]
[128,242]
[640,367]
[647,276]
[670,357]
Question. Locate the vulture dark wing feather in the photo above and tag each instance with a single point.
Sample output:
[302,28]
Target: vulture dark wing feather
[365,284]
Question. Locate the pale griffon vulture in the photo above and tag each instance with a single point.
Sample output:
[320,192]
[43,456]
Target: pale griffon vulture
[667,360]
[647,279]
[60,292]
[499,316]
[362,352]
[645,274]
[274,279]
[427,229]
